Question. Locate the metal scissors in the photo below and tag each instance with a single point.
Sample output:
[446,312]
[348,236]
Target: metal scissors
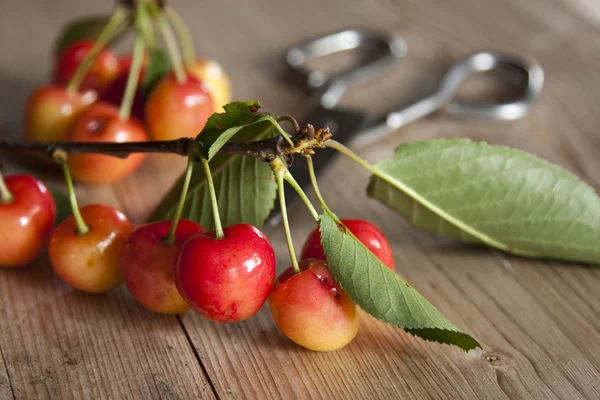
[384,51]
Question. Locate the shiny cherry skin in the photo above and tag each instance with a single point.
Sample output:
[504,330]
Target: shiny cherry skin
[101,122]
[91,262]
[226,279]
[50,111]
[211,73]
[366,232]
[103,71]
[311,308]
[116,89]
[176,110]
[26,221]
[148,261]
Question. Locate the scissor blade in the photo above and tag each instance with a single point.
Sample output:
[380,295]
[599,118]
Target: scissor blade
[344,123]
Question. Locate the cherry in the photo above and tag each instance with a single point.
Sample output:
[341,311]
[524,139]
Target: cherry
[116,89]
[101,122]
[311,308]
[50,111]
[103,71]
[148,261]
[226,279]
[211,73]
[366,232]
[176,110]
[27,215]
[89,261]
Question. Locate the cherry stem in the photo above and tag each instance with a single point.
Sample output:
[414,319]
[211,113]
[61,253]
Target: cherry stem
[144,23]
[172,49]
[294,184]
[185,36]
[213,200]
[294,123]
[6,196]
[334,144]
[279,169]
[105,36]
[170,238]
[134,75]
[313,181]
[61,158]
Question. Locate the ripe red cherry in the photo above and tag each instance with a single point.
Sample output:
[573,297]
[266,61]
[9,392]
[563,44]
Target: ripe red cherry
[26,219]
[90,262]
[226,279]
[101,122]
[366,232]
[50,111]
[104,69]
[116,89]
[176,110]
[311,309]
[148,262]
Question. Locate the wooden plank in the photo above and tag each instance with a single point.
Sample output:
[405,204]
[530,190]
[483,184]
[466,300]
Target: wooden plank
[5,384]
[59,343]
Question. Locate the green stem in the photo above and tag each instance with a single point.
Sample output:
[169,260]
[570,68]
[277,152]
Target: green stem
[61,158]
[279,173]
[105,36]
[144,23]
[185,36]
[172,49]
[354,157]
[286,135]
[6,196]
[313,180]
[290,179]
[213,200]
[134,75]
[170,238]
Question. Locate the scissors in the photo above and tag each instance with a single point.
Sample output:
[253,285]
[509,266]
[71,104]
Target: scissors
[384,51]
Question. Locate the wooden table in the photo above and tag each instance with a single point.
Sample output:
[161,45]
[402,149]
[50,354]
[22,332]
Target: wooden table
[538,322]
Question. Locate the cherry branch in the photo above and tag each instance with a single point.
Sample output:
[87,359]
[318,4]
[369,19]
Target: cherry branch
[264,150]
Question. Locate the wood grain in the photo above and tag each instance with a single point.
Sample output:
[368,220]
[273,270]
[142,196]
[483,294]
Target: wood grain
[538,322]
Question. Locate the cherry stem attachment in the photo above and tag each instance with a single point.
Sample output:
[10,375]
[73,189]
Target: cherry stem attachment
[213,200]
[292,182]
[172,49]
[279,169]
[185,37]
[117,18]
[6,196]
[134,75]
[61,158]
[170,238]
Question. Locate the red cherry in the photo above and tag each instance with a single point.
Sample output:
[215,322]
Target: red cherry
[176,110]
[50,111]
[226,279]
[148,262]
[104,69]
[101,122]
[26,221]
[90,262]
[115,91]
[312,309]
[366,232]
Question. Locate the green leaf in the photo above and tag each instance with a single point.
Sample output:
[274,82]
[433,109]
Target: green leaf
[496,195]
[63,205]
[381,292]
[245,189]
[85,28]
[158,66]
[221,127]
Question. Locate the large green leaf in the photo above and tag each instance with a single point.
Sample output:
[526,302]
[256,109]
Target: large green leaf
[245,188]
[381,292]
[87,28]
[496,195]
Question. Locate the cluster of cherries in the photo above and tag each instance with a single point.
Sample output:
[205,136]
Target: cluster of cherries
[171,268]
[89,111]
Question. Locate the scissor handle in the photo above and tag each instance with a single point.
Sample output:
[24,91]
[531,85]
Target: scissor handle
[386,50]
[488,61]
